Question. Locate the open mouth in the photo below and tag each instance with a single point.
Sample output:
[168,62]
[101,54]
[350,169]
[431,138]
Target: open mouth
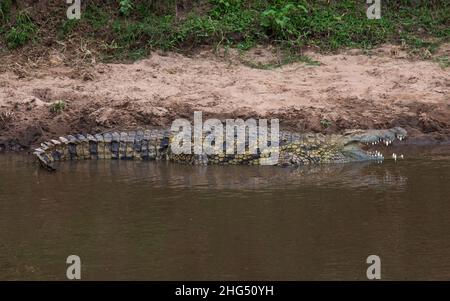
[380,148]
[374,144]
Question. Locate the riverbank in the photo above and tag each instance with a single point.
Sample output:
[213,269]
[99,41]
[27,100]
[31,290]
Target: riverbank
[327,93]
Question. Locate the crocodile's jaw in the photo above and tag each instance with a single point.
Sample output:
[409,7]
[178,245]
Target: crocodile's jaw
[358,143]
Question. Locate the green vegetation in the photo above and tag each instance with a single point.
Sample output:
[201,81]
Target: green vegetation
[443,61]
[66,28]
[57,107]
[125,7]
[287,57]
[22,32]
[131,28]
[325,123]
[5,11]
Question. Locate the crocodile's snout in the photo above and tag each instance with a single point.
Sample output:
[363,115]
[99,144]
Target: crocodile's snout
[354,145]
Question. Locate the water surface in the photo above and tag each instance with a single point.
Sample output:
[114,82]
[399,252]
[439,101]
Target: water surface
[158,221]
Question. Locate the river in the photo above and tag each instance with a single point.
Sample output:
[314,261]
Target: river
[159,221]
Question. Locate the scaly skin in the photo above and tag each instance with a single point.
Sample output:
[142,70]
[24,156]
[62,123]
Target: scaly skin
[294,149]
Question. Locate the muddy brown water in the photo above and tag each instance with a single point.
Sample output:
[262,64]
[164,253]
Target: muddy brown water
[158,221]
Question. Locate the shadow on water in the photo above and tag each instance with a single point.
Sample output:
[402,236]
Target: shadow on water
[147,220]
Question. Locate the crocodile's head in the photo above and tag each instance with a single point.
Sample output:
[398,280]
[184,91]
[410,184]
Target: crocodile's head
[360,145]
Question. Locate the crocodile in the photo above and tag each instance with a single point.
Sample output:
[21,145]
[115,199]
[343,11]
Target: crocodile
[294,149]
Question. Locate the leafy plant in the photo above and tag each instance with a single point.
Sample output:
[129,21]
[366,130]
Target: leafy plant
[224,7]
[57,107]
[125,7]
[281,21]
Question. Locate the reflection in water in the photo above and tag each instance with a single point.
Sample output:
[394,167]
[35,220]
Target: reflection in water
[144,220]
[164,174]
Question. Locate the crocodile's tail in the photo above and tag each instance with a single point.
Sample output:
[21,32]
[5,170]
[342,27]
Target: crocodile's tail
[134,145]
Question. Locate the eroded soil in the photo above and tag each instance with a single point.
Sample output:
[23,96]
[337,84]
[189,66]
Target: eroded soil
[348,90]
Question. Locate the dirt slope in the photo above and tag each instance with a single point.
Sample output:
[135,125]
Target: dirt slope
[348,90]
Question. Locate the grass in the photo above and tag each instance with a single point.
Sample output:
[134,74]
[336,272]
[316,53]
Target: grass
[288,24]
[5,11]
[135,28]
[443,61]
[57,107]
[125,7]
[22,32]
[67,27]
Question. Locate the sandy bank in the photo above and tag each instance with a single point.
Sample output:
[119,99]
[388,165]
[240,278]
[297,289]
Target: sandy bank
[348,90]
